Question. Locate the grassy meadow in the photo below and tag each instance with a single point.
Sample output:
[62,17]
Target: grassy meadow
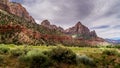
[24,56]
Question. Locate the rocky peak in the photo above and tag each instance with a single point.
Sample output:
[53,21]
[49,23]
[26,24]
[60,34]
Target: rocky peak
[16,9]
[19,10]
[45,23]
[78,24]
[81,31]
[79,28]
[60,29]
[93,33]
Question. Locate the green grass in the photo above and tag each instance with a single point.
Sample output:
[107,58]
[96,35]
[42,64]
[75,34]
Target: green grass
[94,53]
[77,50]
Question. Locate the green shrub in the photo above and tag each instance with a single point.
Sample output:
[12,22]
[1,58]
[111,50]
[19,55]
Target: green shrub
[62,55]
[117,46]
[36,59]
[27,57]
[40,60]
[4,50]
[16,52]
[110,52]
[117,66]
[26,49]
[45,59]
[85,60]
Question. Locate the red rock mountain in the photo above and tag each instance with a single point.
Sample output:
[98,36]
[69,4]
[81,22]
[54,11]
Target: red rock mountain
[47,24]
[81,31]
[16,9]
[78,29]
[15,27]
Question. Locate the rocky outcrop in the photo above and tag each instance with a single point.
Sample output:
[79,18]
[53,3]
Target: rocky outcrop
[81,31]
[4,5]
[93,33]
[47,24]
[19,10]
[4,1]
[16,9]
[79,28]
[60,29]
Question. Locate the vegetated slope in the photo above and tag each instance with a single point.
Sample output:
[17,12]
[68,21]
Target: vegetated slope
[18,27]
[19,30]
[26,32]
[17,14]
[14,29]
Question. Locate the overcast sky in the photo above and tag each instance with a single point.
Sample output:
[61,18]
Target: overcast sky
[100,15]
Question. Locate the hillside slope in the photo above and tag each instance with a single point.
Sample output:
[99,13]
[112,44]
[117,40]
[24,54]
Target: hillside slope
[18,27]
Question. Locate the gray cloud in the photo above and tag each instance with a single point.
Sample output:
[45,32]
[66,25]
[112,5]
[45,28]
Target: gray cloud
[100,15]
[116,27]
[101,27]
[59,12]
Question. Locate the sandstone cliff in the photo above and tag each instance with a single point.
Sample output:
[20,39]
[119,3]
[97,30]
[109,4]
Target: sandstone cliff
[47,24]
[16,9]
[81,32]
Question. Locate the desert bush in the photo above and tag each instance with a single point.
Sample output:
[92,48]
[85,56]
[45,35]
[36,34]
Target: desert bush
[39,60]
[4,50]
[45,59]
[36,59]
[16,52]
[62,55]
[110,52]
[85,60]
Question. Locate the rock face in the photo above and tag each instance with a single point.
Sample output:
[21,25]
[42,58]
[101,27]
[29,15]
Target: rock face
[60,29]
[4,5]
[47,24]
[4,1]
[93,33]
[16,9]
[81,31]
[78,29]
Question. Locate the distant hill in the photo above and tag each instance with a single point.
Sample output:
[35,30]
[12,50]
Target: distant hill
[113,41]
[18,27]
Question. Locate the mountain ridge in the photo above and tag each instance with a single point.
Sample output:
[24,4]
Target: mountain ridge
[25,31]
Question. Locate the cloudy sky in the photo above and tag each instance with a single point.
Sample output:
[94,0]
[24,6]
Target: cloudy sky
[100,15]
